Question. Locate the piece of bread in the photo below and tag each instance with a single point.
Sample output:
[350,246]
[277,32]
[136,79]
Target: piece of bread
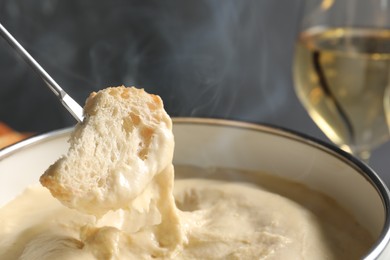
[124,141]
[8,136]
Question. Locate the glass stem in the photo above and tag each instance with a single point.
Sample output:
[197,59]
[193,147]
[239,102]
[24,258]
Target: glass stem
[363,155]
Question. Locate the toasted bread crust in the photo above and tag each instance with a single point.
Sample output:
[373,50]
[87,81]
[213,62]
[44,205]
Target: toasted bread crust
[125,126]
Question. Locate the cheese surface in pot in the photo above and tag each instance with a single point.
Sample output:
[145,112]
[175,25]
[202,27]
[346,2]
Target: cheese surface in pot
[223,214]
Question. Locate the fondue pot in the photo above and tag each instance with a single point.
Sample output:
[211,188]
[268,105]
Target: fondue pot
[232,144]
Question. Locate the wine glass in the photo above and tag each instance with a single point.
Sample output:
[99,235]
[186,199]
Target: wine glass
[342,69]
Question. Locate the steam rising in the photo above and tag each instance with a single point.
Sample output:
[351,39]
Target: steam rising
[214,58]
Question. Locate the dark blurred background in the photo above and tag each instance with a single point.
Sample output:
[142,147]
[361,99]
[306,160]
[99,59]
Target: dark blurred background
[205,58]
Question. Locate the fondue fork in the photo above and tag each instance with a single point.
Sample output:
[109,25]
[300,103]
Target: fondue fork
[67,101]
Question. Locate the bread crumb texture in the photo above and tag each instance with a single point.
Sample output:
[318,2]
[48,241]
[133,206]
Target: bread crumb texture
[124,141]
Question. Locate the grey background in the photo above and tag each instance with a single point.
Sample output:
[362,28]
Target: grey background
[205,58]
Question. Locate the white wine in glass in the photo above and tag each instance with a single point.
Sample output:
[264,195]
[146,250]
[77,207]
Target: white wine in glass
[341,72]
